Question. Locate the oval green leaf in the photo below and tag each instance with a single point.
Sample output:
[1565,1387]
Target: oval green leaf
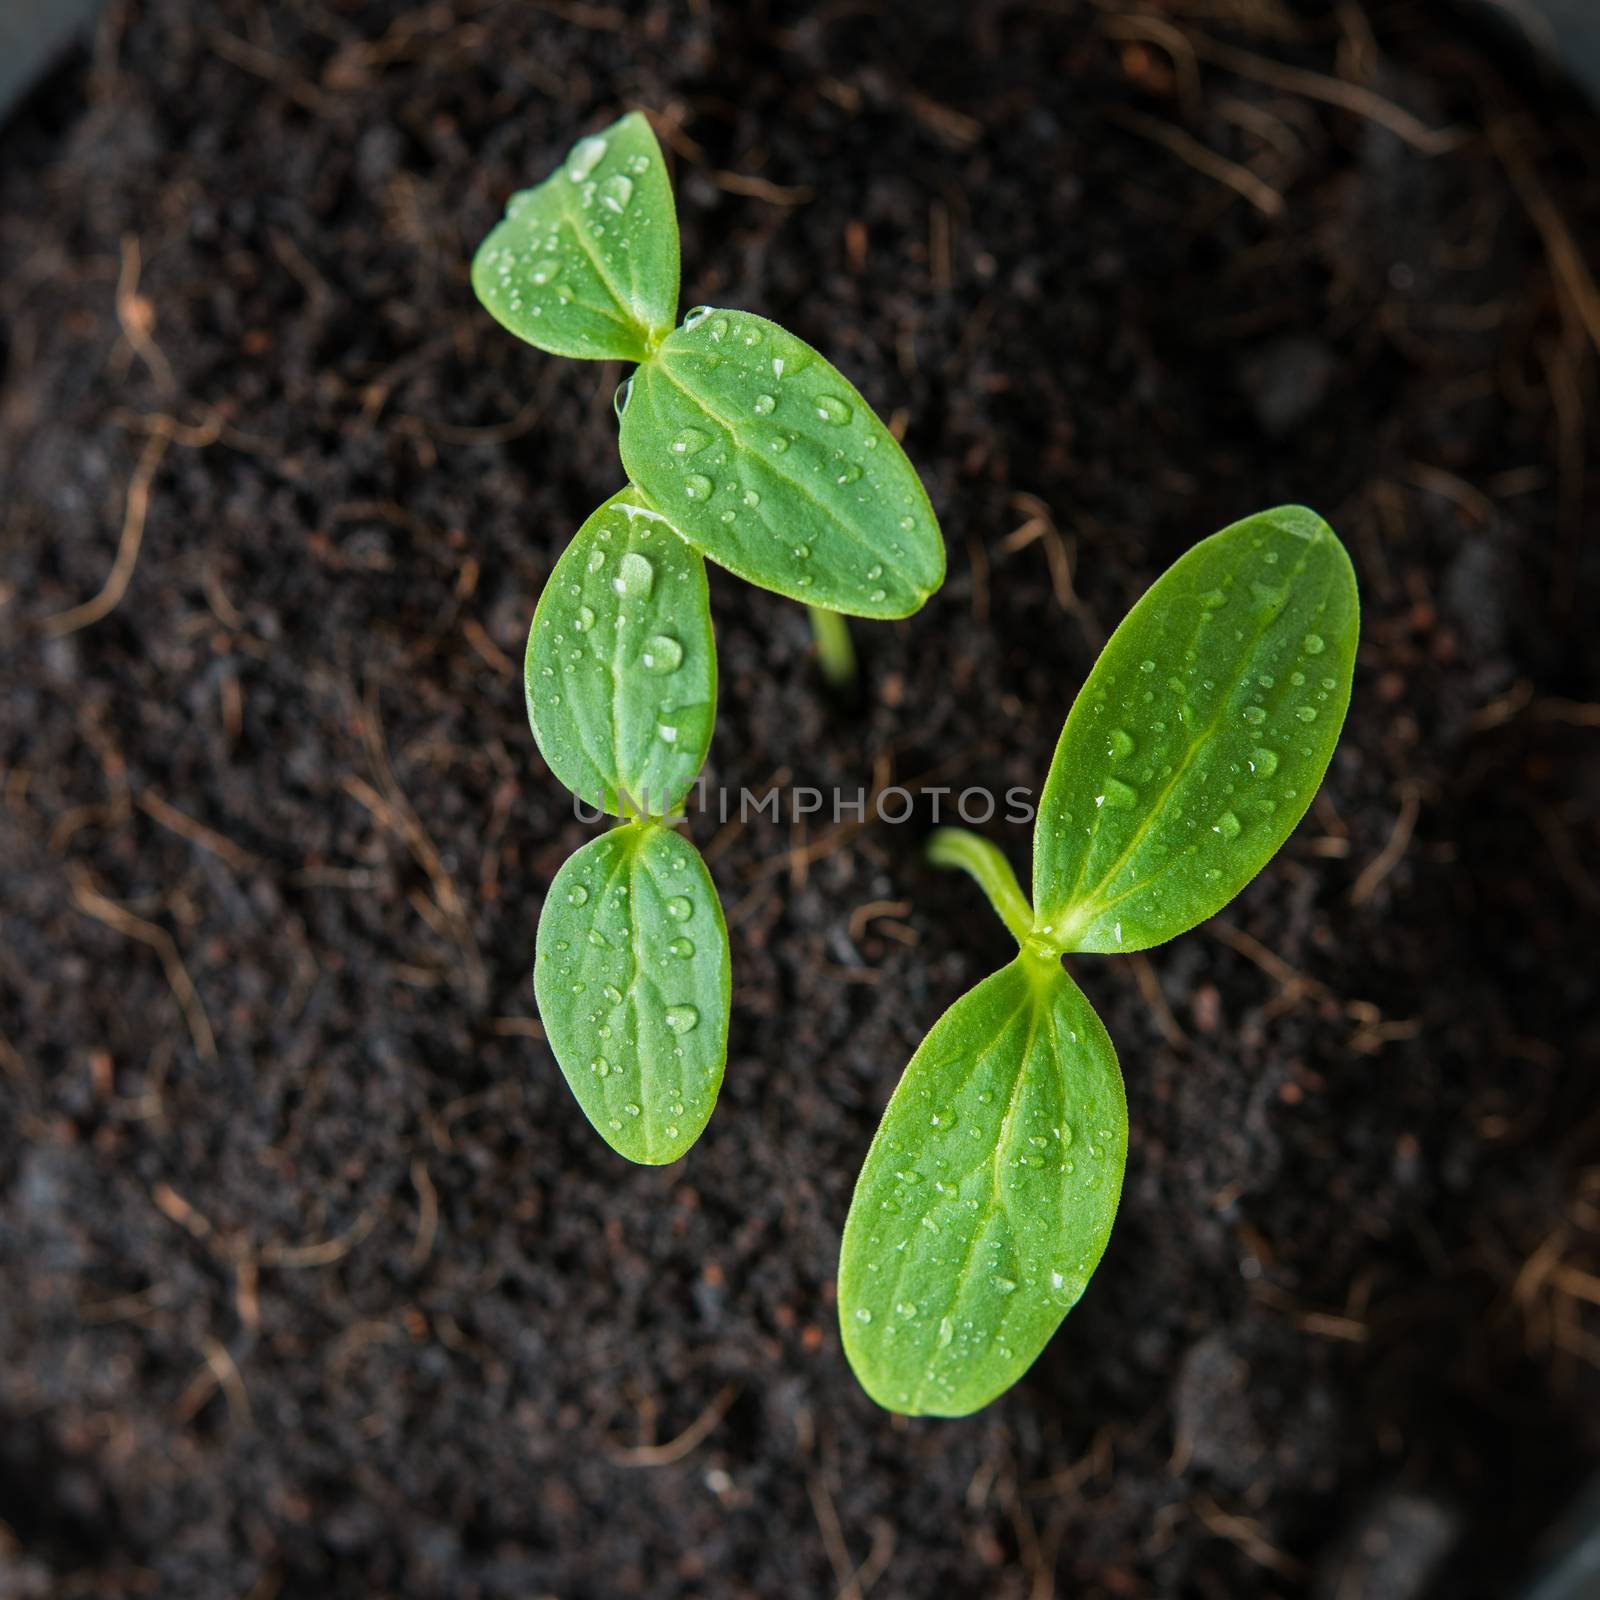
[987,1197]
[621,667]
[586,264]
[633,982]
[1200,736]
[774,466]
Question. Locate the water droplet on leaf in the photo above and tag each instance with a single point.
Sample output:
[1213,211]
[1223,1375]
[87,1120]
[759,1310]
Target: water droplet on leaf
[682,1019]
[586,156]
[661,654]
[635,578]
[616,191]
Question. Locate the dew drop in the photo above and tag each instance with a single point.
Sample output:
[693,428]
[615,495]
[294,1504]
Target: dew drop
[682,1019]
[695,315]
[850,472]
[832,410]
[689,441]
[1003,1285]
[778,443]
[1121,744]
[682,948]
[1264,761]
[638,165]
[1314,644]
[613,994]
[661,654]
[906,1309]
[585,157]
[1227,825]
[680,908]
[600,1067]
[631,1109]
[577,895]
[597,559]
[1117,793]
[1265,595]
[616,191]
[1213,598]
[1307,713]
[764,405]
[947,1331]
[863,1315]
[751,498]
[584,620]
[636,577]
[943,1119]
[1255,716]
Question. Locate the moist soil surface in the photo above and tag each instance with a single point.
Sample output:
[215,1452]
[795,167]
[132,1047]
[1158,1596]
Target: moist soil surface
[316,1282]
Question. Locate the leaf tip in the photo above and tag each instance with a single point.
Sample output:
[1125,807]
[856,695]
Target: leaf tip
[1301,522]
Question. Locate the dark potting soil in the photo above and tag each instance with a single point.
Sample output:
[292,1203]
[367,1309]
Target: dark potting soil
[315,1281]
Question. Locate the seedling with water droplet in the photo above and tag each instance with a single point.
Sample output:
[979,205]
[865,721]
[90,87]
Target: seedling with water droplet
[745,445]
[1211,772]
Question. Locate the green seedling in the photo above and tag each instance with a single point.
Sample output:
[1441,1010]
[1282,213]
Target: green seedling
[743,445]
[1191,752]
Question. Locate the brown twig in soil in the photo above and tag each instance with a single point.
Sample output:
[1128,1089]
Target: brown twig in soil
[154,806]
[1202,158]
[219,1372]
[1040,524]
[753,188]
[663,1455]
[828,1525]
[874,1564]
[127,557]
[1435,480]
[1295,985]
[294,1257]
[274,70]
[92,903]
[176,1209]
[978,560]
[517,1028]
[427,1214]
[1152,30]
[1567,263]
[478,638]
[1245,1532]
[1352,97]
[393,809]
[1150,990]
[137,317]
[1388,858]
[870,912]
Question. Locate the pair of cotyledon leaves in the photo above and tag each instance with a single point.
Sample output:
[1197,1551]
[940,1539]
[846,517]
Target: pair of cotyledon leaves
[741,444]
[1192,750]
[1190,754]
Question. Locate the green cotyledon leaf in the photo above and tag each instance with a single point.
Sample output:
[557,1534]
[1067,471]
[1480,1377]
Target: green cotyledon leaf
[1199,738]
[987,1196]
[586,264]
[621,668]
[772,464]
[633,982]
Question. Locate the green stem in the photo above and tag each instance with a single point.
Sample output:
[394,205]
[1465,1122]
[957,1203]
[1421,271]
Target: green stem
[836,655]
[959,847]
